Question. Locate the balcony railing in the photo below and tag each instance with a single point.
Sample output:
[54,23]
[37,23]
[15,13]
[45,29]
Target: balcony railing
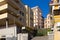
[16,5]
[14,19]
[12,10]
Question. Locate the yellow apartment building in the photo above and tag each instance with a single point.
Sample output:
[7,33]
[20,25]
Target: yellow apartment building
[55,11]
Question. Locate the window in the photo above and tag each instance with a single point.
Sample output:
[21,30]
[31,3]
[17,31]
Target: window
[48,21]
[58,30]
[56,12]
[21,13]
[31,18]
[20,19]
[58,26]
[51,18]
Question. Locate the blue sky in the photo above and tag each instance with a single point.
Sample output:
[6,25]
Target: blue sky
[43,5]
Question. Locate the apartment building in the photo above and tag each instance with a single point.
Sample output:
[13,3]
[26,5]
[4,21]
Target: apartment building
[38,19]
[48,21]
[10,9]
[55,11]
[29,16]
[13,19]
[12,14]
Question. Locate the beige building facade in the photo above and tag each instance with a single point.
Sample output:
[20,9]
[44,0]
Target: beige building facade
[12,18]
[48,21]
[45,23]
[29,16]
[38,19]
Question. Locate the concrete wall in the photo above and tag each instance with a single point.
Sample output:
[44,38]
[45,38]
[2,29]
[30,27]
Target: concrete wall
[8,33]
[23,36]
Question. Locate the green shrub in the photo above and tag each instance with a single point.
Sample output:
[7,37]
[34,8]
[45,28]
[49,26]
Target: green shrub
[41,32]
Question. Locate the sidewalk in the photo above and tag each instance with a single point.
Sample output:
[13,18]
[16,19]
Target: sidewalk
[40,38]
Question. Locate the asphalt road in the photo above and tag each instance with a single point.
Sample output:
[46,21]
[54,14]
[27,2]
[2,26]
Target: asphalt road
[43,38]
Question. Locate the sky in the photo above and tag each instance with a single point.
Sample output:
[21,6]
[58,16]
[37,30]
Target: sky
[43,5]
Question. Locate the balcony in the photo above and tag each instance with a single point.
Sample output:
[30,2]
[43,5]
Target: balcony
[5,6]
[14,4]
[2,3]
[2,0]
[15,7]
[56,12]
[2,16]
[11,19]
[12,11]
[52,4]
